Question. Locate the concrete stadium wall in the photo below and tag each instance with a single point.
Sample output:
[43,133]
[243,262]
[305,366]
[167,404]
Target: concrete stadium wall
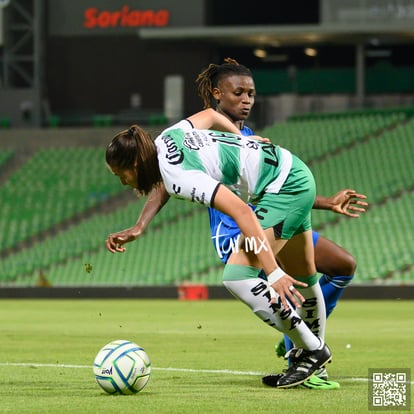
[32,139]
[371,292]
[280,107]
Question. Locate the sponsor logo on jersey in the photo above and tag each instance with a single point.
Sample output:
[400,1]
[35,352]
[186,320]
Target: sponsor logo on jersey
[174,155]
[194,141]
[199,199]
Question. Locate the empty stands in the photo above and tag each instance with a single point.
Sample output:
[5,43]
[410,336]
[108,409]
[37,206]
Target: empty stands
[370,152]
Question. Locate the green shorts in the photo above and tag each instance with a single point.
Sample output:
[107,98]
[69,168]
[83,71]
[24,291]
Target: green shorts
[289,211]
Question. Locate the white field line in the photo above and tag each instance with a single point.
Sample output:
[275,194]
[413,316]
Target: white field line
[190,370]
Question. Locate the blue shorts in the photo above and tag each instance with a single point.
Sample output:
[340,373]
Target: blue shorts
[225,233]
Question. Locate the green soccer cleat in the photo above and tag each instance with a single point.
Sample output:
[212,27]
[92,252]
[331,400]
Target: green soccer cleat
[280,348]
[312,383]
[322,373]
[316,383]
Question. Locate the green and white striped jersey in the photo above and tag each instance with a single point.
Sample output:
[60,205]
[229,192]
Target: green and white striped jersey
[194,162]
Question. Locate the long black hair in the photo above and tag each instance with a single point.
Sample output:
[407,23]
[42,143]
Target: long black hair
[134,148]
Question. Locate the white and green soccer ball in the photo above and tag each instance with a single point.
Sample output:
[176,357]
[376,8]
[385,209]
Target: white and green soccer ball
[122,367]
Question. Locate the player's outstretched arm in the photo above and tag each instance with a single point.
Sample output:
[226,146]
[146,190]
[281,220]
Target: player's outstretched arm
[156,200]
[211,119]
[347,202]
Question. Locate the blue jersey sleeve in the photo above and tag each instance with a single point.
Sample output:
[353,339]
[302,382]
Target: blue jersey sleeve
[246,131]
[224,233]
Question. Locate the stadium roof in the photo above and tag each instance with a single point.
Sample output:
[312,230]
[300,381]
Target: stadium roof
[392,33]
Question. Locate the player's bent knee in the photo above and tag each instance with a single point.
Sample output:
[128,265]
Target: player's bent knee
[345,265]
[349,265]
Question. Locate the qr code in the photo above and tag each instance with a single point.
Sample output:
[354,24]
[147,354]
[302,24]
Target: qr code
[389,389]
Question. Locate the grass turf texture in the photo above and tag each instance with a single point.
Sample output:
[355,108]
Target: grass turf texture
[207,356]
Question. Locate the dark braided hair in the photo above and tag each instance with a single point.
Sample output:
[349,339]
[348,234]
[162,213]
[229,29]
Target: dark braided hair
[209,78]
[134,147]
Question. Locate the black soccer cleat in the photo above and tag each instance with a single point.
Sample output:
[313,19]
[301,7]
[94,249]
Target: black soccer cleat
[271,380]
[304,364]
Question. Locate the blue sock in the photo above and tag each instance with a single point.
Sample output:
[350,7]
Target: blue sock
[332,289]
[288,346]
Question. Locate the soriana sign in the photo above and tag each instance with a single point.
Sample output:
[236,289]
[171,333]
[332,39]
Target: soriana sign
[83,17]
[125,17]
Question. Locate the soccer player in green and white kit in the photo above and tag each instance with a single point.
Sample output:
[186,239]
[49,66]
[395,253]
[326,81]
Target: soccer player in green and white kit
[225,171]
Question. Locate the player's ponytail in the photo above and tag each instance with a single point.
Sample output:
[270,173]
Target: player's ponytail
[134,148]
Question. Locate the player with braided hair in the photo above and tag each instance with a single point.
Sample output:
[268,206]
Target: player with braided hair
[229,88]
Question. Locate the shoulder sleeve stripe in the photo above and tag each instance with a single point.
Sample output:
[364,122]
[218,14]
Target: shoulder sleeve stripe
[213,196]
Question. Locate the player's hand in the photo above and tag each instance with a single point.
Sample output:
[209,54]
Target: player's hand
[349,203]
[115,241]
[285,288]
[259,138]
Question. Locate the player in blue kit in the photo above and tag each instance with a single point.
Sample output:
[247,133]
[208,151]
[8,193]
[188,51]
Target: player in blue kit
[226,170]
[229,88]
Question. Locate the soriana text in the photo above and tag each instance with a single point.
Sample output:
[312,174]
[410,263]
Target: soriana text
[125,17]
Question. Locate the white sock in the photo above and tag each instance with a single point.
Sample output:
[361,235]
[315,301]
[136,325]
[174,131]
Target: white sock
[313,310]
[254,292]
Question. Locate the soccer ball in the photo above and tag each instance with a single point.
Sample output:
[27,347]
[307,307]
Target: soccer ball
[122,367]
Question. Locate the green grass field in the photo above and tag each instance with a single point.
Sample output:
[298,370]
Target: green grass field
[207,356]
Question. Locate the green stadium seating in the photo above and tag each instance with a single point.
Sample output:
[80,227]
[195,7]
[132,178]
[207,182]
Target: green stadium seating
[382,241]
[90,234]
[370,152]
[317,138]
[52,186]
[379,167]
[164,255]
